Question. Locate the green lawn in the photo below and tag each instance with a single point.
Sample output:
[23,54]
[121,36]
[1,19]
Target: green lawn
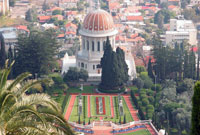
[139,132]
[86,89]
[93,106]
[94,116]
[126,111]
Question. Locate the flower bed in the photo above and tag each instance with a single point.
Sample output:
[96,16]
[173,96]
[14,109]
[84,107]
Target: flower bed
[100,104]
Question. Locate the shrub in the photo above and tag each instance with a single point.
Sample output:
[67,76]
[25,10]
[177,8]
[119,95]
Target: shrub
[143,96]
[143,92]
[151,99]
[149,115]
[150,110]
[158,87]
[145,101]
[140,69]
[150,92]
[139,103]
[138,82]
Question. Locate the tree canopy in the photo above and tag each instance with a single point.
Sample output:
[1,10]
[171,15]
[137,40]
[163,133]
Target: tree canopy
[36,53]
[114,68]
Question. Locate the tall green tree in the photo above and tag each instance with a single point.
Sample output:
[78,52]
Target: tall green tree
[122,64]
[31,15]
[23,114]
[2,51]
[114,68]
[150,70]
[195,130]
[36,53]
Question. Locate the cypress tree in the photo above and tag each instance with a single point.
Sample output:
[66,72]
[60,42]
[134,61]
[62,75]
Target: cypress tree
[79,119]
[11,58]
[106,77]
[149,69]
[122,64]
[124,119]
[114,68]
[195,110]
[2,51]
[186,66]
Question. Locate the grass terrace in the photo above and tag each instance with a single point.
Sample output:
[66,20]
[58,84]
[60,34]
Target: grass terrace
[93,111]
[139,132]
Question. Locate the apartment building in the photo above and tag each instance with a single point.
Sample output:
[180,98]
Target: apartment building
[4,6]
[180,30]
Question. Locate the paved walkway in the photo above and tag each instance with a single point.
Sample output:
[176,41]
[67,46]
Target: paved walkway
[150,129]
[70,107]
[112,107]
[131,109]
[102,130]
[88,106]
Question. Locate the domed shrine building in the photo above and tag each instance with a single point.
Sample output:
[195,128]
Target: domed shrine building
[97,26]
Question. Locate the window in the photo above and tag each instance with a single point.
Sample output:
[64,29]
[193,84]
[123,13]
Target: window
[88,45]
[92,45]
[104,45]
[83,44]
[79,64]
[85,66]
[82,65]
[93,67]
[98,46]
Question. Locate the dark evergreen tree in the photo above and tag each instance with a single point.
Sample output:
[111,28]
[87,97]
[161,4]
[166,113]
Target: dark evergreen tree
[122,64]
[36,53]
[150,70]
[114,68]
[45,6]
[79,119]
[195,110]
[124,119]
[192,63]
[120,121]
[11,59]
[186,72]
[2,51]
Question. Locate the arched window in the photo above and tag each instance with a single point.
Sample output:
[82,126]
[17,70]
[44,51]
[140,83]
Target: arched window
[92,45]
[98,46]
[88,45]
[83,43]
[104,45]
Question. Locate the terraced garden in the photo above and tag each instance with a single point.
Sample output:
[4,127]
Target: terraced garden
[111,112]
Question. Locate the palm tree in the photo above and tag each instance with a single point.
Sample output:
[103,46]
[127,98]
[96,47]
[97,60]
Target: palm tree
[21,114]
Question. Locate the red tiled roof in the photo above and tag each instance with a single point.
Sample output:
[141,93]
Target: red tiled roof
[44,18]
[134,18]
[55,8]
[61,35]
[71,25]
[22,27]
[71,13]
[134,35]
[114,5]
[172,7]
[71,32]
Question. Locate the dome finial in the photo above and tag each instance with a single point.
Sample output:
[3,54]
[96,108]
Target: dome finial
[98,4]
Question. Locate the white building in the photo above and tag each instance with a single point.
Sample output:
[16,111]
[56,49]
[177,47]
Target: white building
[194,2]
[97,26]
[180,30]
